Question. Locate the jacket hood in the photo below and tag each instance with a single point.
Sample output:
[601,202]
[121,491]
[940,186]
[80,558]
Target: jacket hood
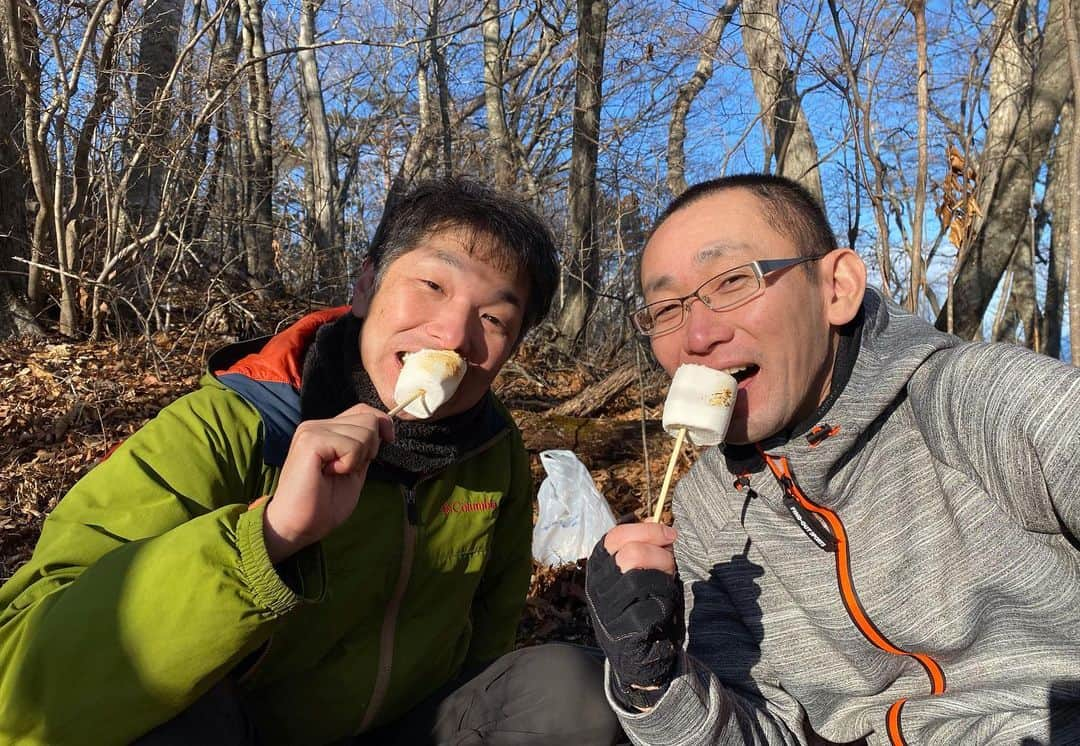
[267,373]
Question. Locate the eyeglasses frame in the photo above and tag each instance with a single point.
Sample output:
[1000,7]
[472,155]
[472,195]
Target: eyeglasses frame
[760,267]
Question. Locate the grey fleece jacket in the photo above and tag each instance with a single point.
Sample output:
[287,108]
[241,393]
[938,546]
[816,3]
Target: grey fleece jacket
[952,476]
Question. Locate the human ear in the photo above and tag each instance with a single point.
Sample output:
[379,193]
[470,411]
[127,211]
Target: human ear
[364,289]
[843,279]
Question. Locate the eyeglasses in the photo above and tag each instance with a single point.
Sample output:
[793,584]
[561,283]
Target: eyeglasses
[725,291]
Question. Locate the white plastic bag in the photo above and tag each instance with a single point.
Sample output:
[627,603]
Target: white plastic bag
[573,513]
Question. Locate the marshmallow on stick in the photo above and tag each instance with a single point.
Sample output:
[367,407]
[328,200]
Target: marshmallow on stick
[427,380]
[699,403]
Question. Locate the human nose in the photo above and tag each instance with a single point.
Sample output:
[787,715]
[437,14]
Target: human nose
[704,328]
[450,326]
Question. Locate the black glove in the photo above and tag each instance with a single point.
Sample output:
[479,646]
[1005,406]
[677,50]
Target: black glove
[638,619]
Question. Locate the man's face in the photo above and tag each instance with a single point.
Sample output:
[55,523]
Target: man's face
[441,296]
[782,338]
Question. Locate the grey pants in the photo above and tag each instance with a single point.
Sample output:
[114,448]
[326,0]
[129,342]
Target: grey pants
[549,694]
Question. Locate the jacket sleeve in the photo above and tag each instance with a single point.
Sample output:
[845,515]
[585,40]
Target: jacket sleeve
[500,597]
[722,693]
[1008,418]
[149,582]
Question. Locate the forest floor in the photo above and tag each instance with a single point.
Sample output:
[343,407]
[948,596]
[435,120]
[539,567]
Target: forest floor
[64,404]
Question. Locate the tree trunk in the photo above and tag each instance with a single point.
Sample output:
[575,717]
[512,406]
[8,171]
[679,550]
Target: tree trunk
[157,56]
[580,277]
[1020,316]
[918,9]
[688,91]
[259,167]
[1057,203]
[15,316]
[71,230]
[1072,37]
[1009,171]
[441,79]
[323,221]
[222,66]
[417,161]
[502,158]
[14,187]
[788,135]
[25,65]
[858,109]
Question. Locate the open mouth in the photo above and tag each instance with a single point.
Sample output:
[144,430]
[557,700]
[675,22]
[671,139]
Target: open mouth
[742,373]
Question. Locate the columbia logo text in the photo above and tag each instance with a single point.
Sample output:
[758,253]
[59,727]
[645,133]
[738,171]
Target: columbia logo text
[467,507]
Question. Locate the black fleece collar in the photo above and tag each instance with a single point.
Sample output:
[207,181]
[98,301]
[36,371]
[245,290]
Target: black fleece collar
[847,352]
[334,380]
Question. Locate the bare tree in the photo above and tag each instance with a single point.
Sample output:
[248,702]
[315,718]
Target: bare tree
[789,141]
[917,8]
[323,229]
[224,55]
[418,161]
[1057,211]
[580,277]
[443,85]
[687,92]
[23,44]
[1010,166]
[501,154]
[1072,38]
[258,152]
[157,57]
[15,316]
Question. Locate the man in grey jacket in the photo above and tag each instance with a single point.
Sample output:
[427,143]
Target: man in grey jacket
[886,548]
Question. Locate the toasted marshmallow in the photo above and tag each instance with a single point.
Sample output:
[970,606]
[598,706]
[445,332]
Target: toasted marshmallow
[435,372]
[700,399]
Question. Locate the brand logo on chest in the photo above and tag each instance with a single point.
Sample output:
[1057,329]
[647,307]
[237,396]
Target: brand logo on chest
[462,506]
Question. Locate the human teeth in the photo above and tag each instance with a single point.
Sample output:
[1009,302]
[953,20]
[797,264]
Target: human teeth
[435,373]
[700,400]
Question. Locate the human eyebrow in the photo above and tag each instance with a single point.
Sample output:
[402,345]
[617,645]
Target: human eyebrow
[706,256]
[448,257]
[509,297]
[656,284]
[721,250]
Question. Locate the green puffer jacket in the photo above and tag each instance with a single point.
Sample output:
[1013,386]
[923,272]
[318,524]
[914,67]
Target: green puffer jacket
[151,580]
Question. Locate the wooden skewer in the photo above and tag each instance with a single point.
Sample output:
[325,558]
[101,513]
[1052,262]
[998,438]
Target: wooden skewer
[393,412]
[667,476]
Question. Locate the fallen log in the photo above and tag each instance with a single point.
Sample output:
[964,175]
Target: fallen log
[597,441]
[595,397]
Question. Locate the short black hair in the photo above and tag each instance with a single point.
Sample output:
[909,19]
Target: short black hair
[788,206]
[517,237]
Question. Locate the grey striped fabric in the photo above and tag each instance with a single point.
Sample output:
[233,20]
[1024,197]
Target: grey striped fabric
[956,474]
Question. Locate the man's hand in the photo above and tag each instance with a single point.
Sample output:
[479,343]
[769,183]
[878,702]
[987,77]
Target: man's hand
[635,601]
[321,480]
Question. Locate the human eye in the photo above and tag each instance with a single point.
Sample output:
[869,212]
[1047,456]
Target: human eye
[664,310]
[430,284]
[494,322]
[733,281]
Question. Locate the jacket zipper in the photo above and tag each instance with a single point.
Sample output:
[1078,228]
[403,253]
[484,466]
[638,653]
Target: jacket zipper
[389,624]
[792,492]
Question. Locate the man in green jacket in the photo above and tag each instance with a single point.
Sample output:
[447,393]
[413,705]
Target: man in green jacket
[272,559]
